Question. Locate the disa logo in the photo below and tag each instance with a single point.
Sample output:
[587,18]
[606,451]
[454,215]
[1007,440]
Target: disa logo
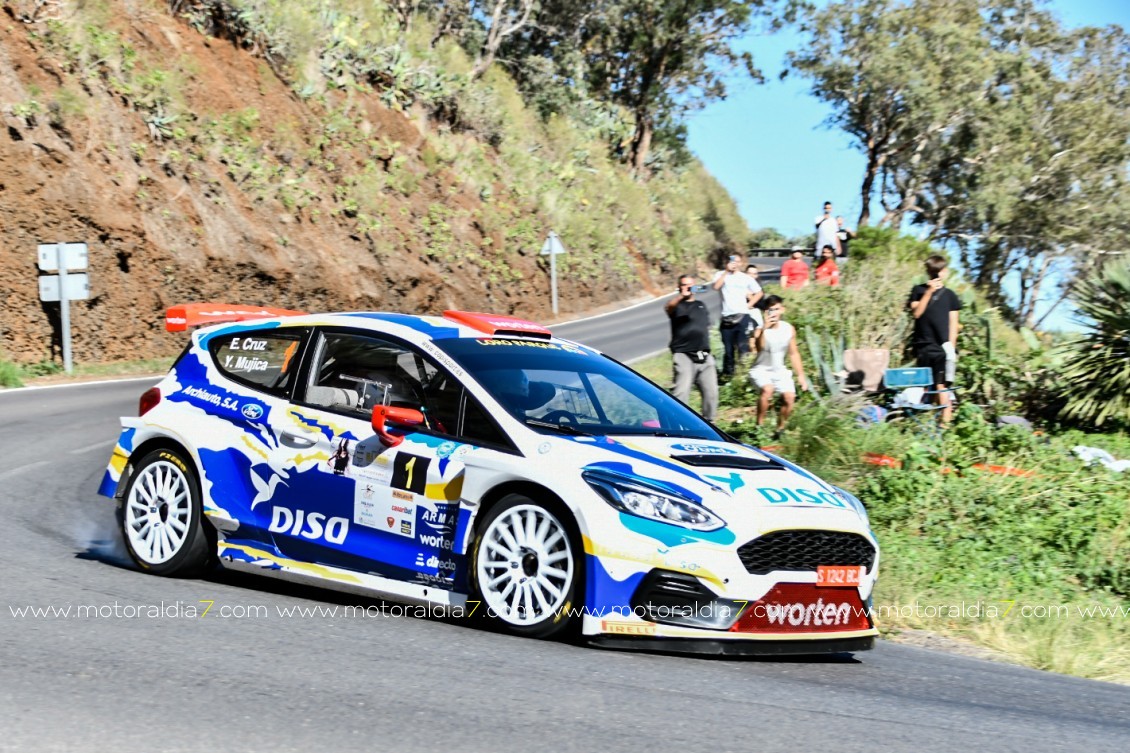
[311,526]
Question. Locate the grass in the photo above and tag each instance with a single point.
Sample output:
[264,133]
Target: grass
[44,372]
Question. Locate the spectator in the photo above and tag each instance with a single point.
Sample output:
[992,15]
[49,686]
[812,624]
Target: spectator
[794,272]
[769,371]
[845,236]
[935,310]
[737,289]
[691,359]
[757,320]
[827,272]
[826,230]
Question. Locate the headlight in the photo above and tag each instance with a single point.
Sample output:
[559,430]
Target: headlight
[634,496]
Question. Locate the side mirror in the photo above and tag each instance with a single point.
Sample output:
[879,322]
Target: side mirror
[388,414]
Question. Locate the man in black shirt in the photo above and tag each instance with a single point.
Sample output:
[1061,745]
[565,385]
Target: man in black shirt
[935,310]
[691,359]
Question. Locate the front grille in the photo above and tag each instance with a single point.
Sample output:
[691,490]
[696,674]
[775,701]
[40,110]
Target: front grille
[805,550]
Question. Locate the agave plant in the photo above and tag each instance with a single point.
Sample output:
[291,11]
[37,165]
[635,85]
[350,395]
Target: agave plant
[1096,370]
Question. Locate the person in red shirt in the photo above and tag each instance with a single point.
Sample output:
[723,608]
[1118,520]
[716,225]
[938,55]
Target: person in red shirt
[794,272]
[827,272]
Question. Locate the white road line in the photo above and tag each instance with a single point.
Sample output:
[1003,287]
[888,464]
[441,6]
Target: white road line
[22,468]
[646,356]
[153,378]
[96,446]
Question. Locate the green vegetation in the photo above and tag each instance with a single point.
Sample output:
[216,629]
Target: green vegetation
[18,375]
[1099,362]
[1032,565]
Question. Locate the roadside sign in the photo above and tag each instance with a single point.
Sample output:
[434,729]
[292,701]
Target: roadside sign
[63,288]
[551,248]
[552,245]
[77,288]
[73,255]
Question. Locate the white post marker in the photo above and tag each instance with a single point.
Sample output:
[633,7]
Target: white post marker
[63,288]
[551,248]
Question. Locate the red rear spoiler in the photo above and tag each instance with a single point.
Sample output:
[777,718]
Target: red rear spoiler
[180,318]
[498,324]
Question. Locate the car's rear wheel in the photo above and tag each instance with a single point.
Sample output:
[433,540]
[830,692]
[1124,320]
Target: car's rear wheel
[526,568]
[162,521]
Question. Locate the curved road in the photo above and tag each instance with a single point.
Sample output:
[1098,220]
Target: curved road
[140,672]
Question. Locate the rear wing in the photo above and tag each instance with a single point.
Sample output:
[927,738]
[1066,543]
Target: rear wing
[180,318]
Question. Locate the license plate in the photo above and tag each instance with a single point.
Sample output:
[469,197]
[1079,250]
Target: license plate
[839,576]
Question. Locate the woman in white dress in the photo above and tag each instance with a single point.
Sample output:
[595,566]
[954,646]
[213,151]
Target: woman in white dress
[776,340]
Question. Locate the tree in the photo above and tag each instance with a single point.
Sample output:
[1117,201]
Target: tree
[899,77]
[501,18]
[1097,367]
[657,59]
[1030,188]
[988,123]
[663,58]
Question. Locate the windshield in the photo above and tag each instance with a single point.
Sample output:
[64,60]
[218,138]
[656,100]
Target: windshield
[559,388]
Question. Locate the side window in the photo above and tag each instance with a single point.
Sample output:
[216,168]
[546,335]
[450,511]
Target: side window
[352,374]
[265,360]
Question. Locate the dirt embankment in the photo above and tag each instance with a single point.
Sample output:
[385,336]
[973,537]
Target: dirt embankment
[162,232]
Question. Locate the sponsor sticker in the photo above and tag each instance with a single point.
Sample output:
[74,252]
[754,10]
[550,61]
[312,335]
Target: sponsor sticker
[374,508]
[800,497]
[627,628]
[704,449]
[804,608]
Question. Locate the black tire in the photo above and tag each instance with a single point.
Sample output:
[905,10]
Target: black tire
[163,492]
[559,615]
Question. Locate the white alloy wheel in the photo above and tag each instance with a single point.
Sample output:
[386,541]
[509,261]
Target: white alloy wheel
[158,512]
[524,568]
[161,516]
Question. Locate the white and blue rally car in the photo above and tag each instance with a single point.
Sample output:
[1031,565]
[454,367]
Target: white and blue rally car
[478,465]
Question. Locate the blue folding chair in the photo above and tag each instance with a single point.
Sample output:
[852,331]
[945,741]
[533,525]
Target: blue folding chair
[914,390]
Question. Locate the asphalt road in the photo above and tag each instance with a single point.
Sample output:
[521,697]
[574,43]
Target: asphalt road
[250,676]
[643,330]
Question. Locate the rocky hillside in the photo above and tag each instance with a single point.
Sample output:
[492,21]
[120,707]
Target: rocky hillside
[197,167]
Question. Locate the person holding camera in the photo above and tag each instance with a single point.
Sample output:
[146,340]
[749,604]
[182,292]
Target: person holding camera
[935,310]
[691,359]
[777,342]
[739,292]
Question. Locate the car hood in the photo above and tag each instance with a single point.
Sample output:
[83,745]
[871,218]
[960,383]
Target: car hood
[747,486]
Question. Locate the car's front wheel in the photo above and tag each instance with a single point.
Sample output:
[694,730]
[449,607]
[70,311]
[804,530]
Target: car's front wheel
[162,520]
[526,568]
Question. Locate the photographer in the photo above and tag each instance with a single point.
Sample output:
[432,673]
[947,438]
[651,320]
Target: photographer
[692,361]
[935,310]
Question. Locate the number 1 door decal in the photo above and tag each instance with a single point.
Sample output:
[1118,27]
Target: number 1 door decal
[410,472]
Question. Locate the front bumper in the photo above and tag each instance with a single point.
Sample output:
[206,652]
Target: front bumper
[672,609]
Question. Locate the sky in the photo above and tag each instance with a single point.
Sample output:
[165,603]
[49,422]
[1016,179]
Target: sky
[768,145]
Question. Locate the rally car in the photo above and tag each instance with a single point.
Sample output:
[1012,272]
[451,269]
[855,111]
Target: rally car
[478,465]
